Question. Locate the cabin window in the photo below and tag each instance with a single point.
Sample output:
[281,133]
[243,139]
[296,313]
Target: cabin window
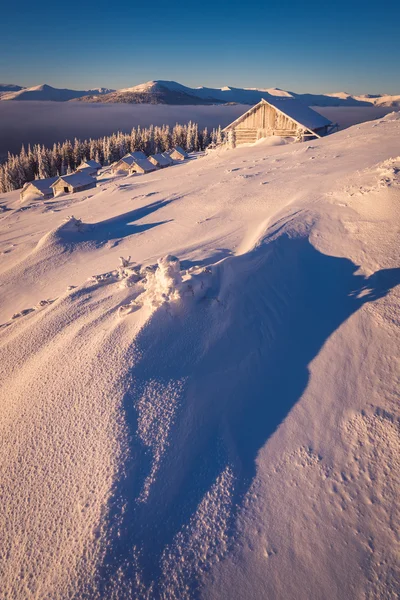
[66,190]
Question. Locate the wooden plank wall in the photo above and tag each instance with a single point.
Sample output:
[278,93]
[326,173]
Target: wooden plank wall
[269,120]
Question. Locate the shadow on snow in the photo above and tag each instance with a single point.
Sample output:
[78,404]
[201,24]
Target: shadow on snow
[244,359]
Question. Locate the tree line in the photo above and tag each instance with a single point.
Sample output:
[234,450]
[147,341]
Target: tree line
[39,162]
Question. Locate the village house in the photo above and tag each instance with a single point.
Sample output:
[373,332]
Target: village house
[280,116]
[178,153]
[91,167]
[126,162]
[142,165]
[38,189]
[76,182]
[161,160]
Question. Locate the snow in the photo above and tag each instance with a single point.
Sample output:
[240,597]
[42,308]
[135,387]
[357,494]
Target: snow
[162,159]
[300,112]
[215,416]
[137,155]
[43,185]
[78,178]
[144,164]
[90,163]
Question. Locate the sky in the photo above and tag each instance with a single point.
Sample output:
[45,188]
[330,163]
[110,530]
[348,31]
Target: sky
[301,46]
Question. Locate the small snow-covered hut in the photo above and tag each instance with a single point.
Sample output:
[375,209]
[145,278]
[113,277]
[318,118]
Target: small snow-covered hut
[89,166]
[161,160]
[142,165]
[178,153]
[40,188]
[126,162]
[281,116]
[76,182]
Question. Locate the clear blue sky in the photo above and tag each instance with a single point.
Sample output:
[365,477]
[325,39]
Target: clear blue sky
[351,45]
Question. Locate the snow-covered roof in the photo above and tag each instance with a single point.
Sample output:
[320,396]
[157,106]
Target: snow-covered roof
[296,110]
[75,179]
[144,164]
[89,163]
[137,154]
[128,159]
[180,150]
[42,185]
[162,159]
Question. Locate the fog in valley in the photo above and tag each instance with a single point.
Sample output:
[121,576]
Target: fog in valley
[48,122]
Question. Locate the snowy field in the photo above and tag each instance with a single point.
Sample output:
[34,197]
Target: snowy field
[219,425]
[49,122]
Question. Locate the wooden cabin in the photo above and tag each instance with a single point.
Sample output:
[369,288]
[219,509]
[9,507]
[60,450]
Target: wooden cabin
[142,166]
[91,167]
[178,153]
[40,189]
[126,162]
[76,182]
[281,116]
[161,160]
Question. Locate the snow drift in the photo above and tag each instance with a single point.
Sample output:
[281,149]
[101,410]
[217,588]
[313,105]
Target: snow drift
[214,416]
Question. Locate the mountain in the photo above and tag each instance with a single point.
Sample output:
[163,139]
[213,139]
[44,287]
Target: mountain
[174,93]
[171,92]
[47,92]
[10,87]
[155,92]
[6,88]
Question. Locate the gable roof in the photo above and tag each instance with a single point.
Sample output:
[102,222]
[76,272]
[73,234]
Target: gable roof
[76,179]
[162,159]
[302,114]
[131,158]
[90,163]
[144,164]
[42,185]
[180,150]
[138,154]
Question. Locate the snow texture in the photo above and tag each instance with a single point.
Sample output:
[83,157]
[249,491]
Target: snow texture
[199,379]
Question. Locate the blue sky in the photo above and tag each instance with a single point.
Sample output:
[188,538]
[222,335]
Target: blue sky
[316,47]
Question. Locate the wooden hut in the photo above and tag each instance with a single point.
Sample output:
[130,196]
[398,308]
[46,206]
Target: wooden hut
[126,162]
[281,116]
[91,167]
[161,160]
[38,189]
[142,166]
[178,153]
[76,182]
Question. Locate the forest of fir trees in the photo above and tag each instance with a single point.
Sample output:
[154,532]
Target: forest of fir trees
[40,162]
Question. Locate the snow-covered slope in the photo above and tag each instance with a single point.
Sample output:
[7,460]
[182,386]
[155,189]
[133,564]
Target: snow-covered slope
[218,425]
[5,88]
[47,92]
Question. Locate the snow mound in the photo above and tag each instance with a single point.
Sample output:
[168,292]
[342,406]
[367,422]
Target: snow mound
[63,233]
[389,172]
[163,283]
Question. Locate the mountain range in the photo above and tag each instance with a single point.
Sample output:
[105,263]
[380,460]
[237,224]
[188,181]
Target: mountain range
[171,92]
[45,92]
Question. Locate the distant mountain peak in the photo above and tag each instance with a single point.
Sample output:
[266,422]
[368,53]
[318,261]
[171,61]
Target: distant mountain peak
[163,91]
